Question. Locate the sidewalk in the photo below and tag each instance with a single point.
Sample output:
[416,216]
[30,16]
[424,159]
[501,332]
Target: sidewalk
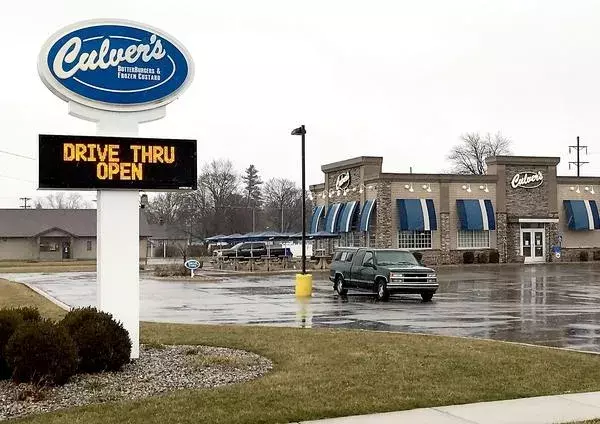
[536,410]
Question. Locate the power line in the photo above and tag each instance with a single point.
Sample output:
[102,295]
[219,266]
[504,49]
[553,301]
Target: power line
[16,154]
[577,148]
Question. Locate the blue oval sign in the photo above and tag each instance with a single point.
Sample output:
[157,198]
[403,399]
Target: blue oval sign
[192,264]
[115,65]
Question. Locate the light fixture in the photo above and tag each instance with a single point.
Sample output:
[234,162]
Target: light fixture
[577,191]
[572,188]
[590,189]
[427,187]
[324,195]
[484,188]
[467,187]
[345,192]
[338,192]
[409,187]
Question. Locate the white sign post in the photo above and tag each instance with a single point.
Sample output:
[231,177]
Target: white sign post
[117,74]
[117,228]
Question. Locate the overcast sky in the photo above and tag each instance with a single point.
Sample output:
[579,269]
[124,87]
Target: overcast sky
[398,79]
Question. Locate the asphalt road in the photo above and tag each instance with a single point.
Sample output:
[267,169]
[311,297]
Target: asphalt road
[554,305]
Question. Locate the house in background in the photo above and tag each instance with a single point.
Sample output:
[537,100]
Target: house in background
[54,234]
[167,240]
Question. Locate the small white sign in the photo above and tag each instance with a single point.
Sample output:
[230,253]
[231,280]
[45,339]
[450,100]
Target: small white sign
[527,179]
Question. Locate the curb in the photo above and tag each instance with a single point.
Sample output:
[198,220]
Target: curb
[47,296]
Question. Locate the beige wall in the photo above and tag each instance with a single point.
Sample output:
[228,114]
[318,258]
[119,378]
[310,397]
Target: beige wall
[400,192]
[18,248]
[455,193]
[28,249]
[573,239]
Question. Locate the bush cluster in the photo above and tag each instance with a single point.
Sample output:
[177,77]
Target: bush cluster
[172,270]
[468,257]
[482,258]
[102,343]
[494,257]
[583,256]
[39,351]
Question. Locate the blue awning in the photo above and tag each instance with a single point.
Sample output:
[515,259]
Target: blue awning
[476,214]
[347,217]
[416,215]
[582,214]
[316,218]
[365,215]
[333,214]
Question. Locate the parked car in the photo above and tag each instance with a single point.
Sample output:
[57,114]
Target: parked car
[251,250]
[381,271]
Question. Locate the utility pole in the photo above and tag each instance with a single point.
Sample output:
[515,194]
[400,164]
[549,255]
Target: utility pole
[578,162]
[25,200]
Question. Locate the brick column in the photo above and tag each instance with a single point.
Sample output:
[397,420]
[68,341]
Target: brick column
[445,238]
[385,231]
[502,237]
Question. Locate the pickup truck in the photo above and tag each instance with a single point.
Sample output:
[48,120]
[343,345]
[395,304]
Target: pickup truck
[381,271]
[251,250]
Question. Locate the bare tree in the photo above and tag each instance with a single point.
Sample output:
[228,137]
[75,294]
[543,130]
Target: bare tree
[61,200]
[469,156]
[284,201]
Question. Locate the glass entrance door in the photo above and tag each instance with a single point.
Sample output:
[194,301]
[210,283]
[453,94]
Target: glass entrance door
[533,244]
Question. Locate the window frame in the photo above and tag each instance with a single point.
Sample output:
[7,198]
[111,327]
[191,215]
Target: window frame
[414,234]
[472,247]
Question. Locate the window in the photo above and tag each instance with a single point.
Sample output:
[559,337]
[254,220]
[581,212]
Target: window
[414,239]
[48,247]
[469,239]
[350,239]
[370,239]
[368,258]
[89,245]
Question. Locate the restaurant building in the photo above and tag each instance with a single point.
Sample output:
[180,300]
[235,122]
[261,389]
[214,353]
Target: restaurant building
[520,210]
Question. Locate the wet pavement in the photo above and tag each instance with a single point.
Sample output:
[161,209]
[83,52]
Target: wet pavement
[554,305]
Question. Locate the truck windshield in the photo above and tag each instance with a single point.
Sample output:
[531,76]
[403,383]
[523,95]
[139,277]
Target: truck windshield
[397,257]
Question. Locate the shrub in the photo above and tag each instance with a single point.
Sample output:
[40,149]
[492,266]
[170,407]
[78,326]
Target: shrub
[482,258]
[40,352]
[172,270]
[468,257]
[597,255]
[583,256]
[494,257]
[10,320]
[28,314]
[102,343]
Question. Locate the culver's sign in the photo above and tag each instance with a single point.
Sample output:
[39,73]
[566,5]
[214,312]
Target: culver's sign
[115,65]
[527,179]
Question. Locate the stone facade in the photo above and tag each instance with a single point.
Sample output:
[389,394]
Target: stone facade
[516,208]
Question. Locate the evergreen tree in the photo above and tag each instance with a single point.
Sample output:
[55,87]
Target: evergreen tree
[252,183]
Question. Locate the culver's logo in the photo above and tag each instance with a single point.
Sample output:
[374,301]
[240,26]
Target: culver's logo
[342,181]
[527,179]
[115,65]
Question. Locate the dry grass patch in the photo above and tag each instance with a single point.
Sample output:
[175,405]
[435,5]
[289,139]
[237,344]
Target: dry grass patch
[15,294]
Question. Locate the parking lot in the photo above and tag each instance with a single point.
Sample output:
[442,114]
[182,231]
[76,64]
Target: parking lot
[554,305]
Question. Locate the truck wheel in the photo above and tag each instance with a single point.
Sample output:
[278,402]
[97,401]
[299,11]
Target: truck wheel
[382,291]
[427,296]
[339,286]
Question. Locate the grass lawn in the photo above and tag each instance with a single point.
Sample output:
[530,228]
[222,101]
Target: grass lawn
[327,373]
[46,266]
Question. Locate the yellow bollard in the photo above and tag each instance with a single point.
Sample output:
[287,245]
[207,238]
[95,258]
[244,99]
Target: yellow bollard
[303,285]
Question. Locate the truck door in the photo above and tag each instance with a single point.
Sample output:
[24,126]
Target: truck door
[353,276]
[367,271]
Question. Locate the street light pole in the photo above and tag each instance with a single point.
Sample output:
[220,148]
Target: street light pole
[303,281]
[302,131]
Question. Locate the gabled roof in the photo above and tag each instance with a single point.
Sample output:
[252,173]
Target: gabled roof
[34,222]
